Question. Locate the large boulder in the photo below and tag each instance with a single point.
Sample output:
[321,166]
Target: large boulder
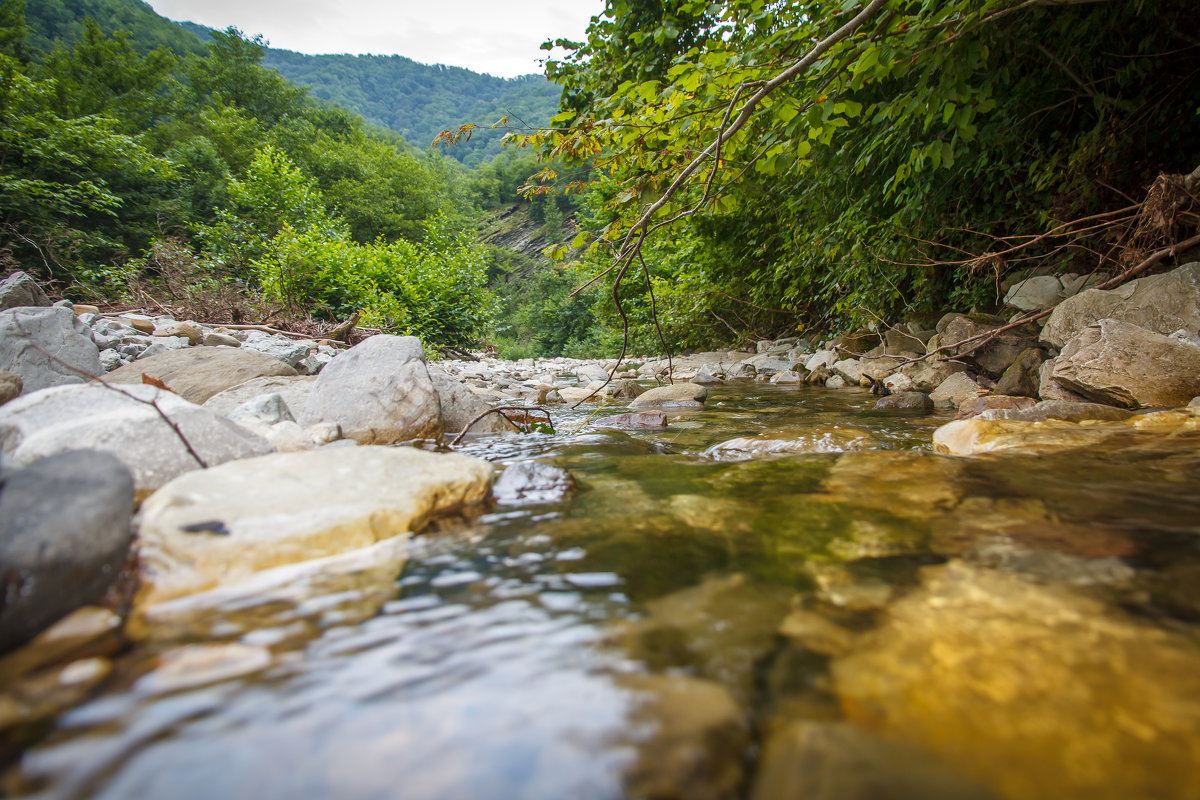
[222,526]
[1125,365]
[1034,431]
[675,395]
[198,373]
[122,422]
[64,534]
[18,290]
[1034,294]
[379,392]
[460,406]
[1160,303]
[47,347]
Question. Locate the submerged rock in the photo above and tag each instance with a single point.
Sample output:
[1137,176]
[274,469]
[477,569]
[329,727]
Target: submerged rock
[905,403]
[833,439]
[64,534]
[835,761]
[531,482]
[634,421]
[696,737]
[221,526]
[986,671]
[979,435]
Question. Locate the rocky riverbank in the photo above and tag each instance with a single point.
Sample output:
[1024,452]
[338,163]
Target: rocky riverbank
[208,467]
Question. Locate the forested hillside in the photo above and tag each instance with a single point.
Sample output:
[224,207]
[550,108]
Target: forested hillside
[52,21]
[419,100]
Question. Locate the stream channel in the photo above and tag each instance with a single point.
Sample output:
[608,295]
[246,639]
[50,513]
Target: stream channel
[869,620]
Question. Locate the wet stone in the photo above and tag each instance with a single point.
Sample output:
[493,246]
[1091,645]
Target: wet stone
[530,483]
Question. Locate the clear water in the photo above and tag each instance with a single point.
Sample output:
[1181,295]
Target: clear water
[523,654]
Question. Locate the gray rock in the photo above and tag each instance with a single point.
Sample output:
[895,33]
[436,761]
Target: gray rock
[898,341]
[10,386]
[294,389]
[835,761]
[835,382]
[1050,389]
[1117,363]
[198,373]
[633,421]
[821,358]
[110,359]
[214,339]
[459,406]
[530,482]
[64,533]
[190,331]
[378,391]
[47,347]
[1034,294]
[849,369]
[678,394]
[1160,303]
[120,421]
[18,290]
[878,367]
[265,409]
[591,372]
[952,391]
[928,376]
[313,363]
[1023,376]
[905,403]
[282,348]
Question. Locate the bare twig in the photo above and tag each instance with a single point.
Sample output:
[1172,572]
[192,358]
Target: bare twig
[503,412]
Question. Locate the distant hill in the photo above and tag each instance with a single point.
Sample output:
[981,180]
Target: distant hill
[420,100]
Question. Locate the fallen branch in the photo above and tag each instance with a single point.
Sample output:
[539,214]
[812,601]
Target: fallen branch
[501,411]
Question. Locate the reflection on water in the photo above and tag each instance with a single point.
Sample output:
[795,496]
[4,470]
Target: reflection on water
[875,623]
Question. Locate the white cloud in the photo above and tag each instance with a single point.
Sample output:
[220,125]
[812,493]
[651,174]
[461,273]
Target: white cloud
[501,38]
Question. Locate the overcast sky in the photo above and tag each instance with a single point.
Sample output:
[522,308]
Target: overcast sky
[500,37]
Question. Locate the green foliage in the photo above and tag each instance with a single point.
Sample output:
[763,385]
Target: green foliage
[419,101]
[857,186]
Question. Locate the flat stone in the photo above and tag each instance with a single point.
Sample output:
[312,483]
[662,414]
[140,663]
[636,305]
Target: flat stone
[978,435]
[975,406]
[1159,303]
[953,391]
[221,526]
[64,534]
[294,389]
[379,392]
[20,290]
[1057,409]
[47,347]
[214,339]
[198,373]
[121,422]
[677,394]
[829,439]
[1050,389]
[1121,364]
[190,331]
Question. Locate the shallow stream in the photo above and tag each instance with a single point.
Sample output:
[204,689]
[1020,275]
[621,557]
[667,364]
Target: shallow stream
[874,621]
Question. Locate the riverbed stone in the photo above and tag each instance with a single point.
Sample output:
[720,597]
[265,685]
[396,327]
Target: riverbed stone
[696,735]
[928,375]
[822,439]
[677,394]
[198,373]
[1159,303]
[216,339]
[47,347]
[909,485]
[879,367]
[223,525]
[640,420]
[954,390]
[64,534]
[811,760]
[264,409]
[122,422]
[21,290]
[1058,409]
[1121,364]
[1023,376]
[978,435]
[1034,294]
[294,389]
[282,348]
[459,406]
[187,329]
[905,403]
[975,406]
[379,392]
[985,670]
